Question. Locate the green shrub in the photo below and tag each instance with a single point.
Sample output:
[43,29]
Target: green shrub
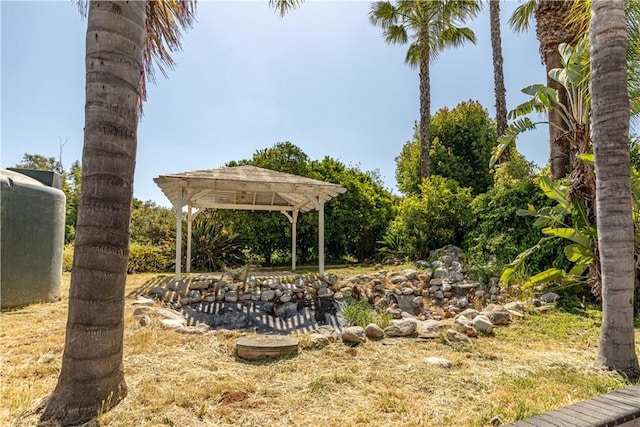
[360,313]
[494,233]
[67,257]
[147,259]
[142,258]
[432,220]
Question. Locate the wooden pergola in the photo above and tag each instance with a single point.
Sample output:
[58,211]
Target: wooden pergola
[246,188]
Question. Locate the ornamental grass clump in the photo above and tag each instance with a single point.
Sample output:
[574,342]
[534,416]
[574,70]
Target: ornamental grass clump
[360,313]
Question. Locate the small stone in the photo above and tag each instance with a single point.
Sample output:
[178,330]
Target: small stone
[157,291]
[268,295]
[231,296]
[499,317]
[417,302]
[455,336]
[440,273]
[446,287]
[470,313]
[325,292]
[410,274]
[482,324]
[331,279]
[328,331]
[438,295]
[536,302]
[210,298]
[144,320]
[193,294]
[407,291]
[479,294]
[185,300]
[438,361]
[317,341]
[550,297]
[373,331]
[201,285]
[285,298]
[353,334]
[396,313]
[464,325]
[463,302]
[172,323]
[398,279]
[401,329]
[143,301]
[515,305]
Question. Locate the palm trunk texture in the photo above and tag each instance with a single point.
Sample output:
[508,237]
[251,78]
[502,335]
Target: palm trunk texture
[92,378]
[498,72]
[610,119]
[425,102]
[552,29]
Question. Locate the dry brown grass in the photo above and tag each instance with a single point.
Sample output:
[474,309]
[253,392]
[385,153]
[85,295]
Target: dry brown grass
[536,365]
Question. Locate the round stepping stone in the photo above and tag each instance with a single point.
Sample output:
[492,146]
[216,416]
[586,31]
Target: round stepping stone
[265,347]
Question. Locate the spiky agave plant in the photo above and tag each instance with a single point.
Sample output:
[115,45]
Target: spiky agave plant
[213,248]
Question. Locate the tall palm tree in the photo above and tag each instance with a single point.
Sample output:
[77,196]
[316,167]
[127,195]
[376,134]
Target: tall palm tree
[498,72]
[122,38]
[430,27]
[553,27]
[610,123]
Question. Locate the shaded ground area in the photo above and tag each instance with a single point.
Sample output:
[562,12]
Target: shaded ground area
[266,317]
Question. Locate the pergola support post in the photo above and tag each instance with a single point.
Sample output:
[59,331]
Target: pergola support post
[293,219]
[189,228]
[178,233]
[321,237]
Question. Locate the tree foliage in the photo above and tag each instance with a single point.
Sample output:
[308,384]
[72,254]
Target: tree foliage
[463,139]
[354,220]
[432,220]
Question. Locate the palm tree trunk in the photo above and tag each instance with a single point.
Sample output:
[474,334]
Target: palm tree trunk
[92,377]
[498,72]
[552,29]
[610,101]
[425,102]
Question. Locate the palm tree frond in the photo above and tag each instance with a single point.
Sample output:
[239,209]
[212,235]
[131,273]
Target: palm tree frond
[165,20]
[382,14]
[284,6]
[413,55]
[454,37]
[522,16]
[395,34]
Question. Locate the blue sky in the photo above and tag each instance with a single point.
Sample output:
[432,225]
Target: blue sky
[322,77]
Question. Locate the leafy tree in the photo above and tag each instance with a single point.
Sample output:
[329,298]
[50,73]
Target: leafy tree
[463,140]
[152,224]
[408,165]
[434,219]
[357,218]
[73,185]
[360,216]
[429,27]
[40,162]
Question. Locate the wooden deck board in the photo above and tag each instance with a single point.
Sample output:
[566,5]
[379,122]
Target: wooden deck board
[611,409]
